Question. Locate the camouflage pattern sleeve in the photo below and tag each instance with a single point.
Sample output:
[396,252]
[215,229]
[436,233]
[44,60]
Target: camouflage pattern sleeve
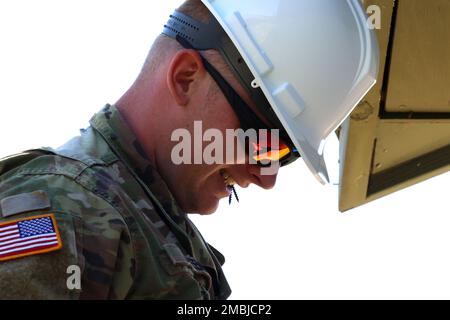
[120,225]
[85,223]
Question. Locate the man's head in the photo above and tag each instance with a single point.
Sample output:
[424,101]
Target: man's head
[175,91]
[299,66]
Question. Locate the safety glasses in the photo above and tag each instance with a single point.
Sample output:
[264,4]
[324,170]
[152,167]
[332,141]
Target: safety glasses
[262,151]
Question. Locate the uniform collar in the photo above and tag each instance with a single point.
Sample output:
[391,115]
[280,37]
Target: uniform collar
[112,126]
[114,130]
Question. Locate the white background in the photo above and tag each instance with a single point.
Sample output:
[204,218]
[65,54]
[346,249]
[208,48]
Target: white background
[61,61]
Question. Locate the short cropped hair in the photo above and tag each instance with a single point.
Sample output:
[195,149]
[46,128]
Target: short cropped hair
[196,9]
[165,47]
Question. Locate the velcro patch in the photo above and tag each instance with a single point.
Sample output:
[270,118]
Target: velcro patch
[29,236]
[24,202]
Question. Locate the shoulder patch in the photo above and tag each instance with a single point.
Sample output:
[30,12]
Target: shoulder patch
[24,202]
[29,236]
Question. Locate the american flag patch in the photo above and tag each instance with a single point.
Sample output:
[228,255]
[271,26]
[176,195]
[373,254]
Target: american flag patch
[29,236]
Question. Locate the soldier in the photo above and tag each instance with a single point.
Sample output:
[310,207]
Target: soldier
[112,204]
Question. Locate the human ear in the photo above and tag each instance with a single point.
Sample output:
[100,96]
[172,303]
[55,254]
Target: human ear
[185,71]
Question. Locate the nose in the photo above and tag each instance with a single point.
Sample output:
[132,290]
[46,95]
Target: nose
[265,178]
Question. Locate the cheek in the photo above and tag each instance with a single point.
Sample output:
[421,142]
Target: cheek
[217,117]
[229,119]
[219,114]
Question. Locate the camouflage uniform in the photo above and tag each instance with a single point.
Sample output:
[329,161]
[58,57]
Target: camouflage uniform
[117,219]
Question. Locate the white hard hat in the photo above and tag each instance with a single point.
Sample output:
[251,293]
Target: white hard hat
[313,60]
